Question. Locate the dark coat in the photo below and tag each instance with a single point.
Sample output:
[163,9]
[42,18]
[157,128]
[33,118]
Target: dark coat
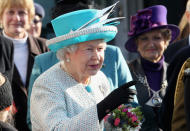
[172,73]
[36,46]
[181,111]
[6,57]
[143,95]
[187,98]
[173,48]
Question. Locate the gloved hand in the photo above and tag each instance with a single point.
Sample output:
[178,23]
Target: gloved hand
[117,97]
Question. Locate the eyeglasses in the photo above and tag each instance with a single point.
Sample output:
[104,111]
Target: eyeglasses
[37,21]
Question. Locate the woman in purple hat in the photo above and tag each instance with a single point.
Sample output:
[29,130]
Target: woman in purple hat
[36,24]
[149,36]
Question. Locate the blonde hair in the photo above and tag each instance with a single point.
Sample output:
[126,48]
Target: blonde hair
[184,28]
[26,4]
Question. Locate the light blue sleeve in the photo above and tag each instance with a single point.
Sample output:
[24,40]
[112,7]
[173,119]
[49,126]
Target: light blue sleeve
[36,71]
[124,74]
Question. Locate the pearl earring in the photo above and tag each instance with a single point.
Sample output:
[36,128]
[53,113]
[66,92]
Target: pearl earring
[67,60]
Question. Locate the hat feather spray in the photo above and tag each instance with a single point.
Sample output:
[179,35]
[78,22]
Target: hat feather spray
[83,25]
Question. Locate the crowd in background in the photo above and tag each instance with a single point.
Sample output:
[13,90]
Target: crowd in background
[37,74]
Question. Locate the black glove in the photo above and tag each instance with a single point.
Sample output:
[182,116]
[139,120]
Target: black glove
[117,97]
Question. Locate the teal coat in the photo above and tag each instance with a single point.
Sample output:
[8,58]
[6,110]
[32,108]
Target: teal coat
[114,67]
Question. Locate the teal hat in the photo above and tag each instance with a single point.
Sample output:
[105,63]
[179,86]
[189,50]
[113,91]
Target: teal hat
[83,25]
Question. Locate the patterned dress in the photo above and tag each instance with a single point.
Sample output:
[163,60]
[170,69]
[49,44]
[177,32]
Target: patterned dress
[60,103]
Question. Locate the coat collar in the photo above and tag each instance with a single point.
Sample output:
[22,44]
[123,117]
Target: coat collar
[138,73]
[139,69]
[33,48]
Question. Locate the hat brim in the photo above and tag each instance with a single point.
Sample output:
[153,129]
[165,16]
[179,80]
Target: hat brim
[131,46]
[105,33]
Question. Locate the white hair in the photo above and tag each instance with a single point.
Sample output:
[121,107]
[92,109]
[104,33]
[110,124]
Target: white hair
[69,49]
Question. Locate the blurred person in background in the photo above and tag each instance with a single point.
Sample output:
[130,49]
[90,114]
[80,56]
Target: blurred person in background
[184,28]
[62,7]
[177,54]
[15,18]
[180,42]
[36,25]
[149,36]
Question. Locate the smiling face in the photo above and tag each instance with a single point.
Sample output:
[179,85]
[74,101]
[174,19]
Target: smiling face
[151,45]
[15,21]
[87,60]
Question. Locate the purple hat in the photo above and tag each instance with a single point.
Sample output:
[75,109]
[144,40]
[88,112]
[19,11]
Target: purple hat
[148,19]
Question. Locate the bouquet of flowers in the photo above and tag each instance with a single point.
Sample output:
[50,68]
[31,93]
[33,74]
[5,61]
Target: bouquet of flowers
[124,118]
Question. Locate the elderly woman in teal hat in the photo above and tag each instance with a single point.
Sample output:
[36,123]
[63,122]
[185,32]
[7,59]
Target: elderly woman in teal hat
[74,94]
[149,36]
